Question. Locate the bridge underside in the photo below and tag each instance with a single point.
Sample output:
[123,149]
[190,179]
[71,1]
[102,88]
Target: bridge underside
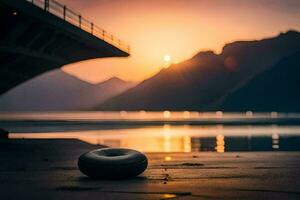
[33,41]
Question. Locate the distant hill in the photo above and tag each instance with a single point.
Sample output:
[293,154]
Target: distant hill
[276,89]
[57,90]
[202,82]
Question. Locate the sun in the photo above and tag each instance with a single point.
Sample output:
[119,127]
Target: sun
[167,58]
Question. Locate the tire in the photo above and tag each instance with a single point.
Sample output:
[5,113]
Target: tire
[112,163]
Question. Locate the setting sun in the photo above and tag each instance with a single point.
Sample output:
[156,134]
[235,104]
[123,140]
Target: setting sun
[167,58]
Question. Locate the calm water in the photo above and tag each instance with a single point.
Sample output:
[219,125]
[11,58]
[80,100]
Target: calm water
[163,131]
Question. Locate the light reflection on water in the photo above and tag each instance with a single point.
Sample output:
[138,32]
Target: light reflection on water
[141,115]
[186,138]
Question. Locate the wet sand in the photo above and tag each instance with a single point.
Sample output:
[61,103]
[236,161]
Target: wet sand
[47,169]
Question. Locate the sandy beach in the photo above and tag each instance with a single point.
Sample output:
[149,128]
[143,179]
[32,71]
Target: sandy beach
[47,169]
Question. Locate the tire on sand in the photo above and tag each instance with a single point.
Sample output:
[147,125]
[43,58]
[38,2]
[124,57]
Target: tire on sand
[112,163]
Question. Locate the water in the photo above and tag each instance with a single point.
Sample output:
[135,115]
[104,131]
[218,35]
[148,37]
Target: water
[163,131]
[144,116]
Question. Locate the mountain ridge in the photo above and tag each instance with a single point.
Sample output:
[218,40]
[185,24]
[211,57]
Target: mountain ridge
[196,83]
[57,90]
[276,89]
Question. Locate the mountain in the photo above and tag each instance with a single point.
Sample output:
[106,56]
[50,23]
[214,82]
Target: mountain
[202,82]
[57,90]
[276,89]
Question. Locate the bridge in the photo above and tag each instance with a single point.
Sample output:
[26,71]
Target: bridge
[41,35]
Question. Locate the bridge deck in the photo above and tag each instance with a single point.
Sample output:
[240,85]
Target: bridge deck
[34,40]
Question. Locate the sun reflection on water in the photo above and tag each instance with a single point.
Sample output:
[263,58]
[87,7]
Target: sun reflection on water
[168,158]
[187,138]
[169,196]
[220,148]
[167,114]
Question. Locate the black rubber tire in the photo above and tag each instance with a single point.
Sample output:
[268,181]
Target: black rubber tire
[112,163]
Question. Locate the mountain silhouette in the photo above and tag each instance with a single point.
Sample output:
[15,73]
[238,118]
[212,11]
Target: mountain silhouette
[276,89]
[57,90]
[201,82]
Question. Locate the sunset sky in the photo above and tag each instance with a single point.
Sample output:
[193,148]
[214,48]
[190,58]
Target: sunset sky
[161,32]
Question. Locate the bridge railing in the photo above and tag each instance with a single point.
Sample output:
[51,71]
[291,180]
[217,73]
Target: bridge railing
[76,19]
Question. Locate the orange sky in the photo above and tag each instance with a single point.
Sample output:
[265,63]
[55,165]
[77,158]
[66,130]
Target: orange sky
[179,28]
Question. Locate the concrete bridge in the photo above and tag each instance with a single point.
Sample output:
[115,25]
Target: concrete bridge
[40,35]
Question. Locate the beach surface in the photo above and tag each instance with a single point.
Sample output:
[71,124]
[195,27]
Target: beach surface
[47,169]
